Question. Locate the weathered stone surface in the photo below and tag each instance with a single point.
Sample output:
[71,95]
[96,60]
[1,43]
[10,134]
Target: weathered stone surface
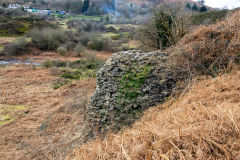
[128,83]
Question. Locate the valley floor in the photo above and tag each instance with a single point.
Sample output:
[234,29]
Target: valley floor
[35,119]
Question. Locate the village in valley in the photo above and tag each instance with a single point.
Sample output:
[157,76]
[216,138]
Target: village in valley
[33,10]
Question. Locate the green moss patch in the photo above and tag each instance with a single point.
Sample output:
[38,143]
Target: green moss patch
[132,81]
[129,95]
[84,17]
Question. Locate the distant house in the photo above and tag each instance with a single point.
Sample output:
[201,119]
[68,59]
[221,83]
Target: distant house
[29,10]
[26,6]
[14,6]
[43,12]
[39,11]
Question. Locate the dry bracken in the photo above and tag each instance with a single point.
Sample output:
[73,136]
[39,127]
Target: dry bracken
[202,124]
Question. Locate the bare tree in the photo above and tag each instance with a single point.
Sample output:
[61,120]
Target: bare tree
[166,28]
[202,2]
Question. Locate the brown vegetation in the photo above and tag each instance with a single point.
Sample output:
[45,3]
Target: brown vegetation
[52,120]
[202,124]
[210,49]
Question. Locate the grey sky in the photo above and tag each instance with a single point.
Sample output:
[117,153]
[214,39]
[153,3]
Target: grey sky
[230,4]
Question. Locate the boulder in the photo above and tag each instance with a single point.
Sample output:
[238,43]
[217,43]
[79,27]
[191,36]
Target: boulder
[128,83]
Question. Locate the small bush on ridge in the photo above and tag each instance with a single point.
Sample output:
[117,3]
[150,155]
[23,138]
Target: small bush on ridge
[100,44]
[79,50]
[62,51]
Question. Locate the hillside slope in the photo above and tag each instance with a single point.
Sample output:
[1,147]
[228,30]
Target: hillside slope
[202,124]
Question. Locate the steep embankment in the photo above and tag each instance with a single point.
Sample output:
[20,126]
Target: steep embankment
[203,123]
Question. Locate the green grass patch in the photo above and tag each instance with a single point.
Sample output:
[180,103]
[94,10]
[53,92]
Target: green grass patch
[93,64]
[11,108]
[78,74]
[61,82]
[8,113]
[130,46]
[117,27]
[5,119]
[81,17]
[67,76]
[113,36]
[72,71]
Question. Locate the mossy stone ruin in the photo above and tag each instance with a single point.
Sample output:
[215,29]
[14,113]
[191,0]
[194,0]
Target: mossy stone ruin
[128,83]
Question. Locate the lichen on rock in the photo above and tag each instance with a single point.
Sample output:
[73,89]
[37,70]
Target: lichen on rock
[128,83]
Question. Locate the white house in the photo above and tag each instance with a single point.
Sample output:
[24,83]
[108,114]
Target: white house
[14,6]
[26,6]
[43,12]
[29,10]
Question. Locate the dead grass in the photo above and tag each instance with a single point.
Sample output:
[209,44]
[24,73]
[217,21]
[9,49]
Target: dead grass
[209,49]
[39,56]
[27,102]
[202,124]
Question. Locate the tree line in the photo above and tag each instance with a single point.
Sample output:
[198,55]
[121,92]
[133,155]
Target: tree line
[79,6]
[195,7]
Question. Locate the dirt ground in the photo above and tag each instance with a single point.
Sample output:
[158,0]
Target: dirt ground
[5,40]
[39,122]
[38,56]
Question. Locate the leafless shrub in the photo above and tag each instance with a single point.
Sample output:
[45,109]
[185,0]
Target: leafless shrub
[166,28]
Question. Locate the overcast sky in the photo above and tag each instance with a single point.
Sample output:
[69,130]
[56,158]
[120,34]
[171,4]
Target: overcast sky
[230,4]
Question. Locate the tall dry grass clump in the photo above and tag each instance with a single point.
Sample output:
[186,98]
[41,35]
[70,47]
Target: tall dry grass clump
[204,123]
[210,49]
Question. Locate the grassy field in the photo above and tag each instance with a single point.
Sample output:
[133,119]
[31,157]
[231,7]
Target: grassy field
[117,27]
[65,19]
[81,17]
[110,35]
[44,116]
